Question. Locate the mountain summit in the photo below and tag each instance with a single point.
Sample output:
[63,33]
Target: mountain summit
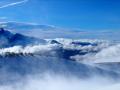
[10,39]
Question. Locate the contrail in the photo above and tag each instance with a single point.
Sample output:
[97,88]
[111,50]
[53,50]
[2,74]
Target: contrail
[12,4]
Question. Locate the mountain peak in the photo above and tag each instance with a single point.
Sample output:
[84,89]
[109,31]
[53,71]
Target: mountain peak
[2,30]
[10,39]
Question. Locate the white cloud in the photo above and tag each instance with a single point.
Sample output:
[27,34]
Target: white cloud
[12,4]
[3,18]
[35,49]
[57,82]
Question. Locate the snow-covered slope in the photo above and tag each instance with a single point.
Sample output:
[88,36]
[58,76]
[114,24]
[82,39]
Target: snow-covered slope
[8,39]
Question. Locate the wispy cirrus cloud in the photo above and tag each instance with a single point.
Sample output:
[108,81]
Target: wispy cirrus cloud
[1,18]
[13,3]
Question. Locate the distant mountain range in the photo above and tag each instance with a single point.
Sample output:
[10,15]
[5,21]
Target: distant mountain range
[10,39]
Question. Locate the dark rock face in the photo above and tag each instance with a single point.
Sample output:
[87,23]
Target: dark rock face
[83,43]
[54,42]
[5,33]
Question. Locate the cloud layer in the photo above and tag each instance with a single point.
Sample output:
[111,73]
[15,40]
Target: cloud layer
[55,81]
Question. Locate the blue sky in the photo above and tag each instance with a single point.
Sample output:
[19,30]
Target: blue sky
[83,14]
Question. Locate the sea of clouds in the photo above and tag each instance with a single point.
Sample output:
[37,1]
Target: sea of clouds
[91,50]
[95,51]
[54,82]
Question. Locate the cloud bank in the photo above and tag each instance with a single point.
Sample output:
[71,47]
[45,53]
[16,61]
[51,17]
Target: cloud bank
[54,81]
